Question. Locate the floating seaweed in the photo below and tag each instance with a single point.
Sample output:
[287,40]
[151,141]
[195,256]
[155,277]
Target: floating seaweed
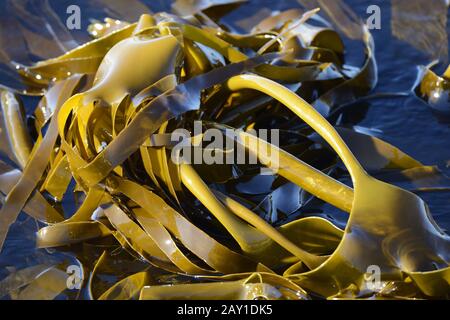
[434,90]
[142,224]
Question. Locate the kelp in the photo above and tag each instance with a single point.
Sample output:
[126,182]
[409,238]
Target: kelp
[14,118]
[40,281]
[434,89]
[20,278]
[147,225]
[255,286]
[46,286]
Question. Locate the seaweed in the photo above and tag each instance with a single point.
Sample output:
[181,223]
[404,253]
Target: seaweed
[102,141]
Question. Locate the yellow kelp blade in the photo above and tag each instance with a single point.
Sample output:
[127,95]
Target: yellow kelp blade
[20,278]
[254,286]
[163,238]
[312,234]
[286,165]
[38,160]
[114,265]
[434,89]
[128,288]
[137,237]
[37,206]
[252,241]
[67,233]
[378,232]
[19,138]
[131,202]
[193,238]
[183,98]
[46,286]
[83,59]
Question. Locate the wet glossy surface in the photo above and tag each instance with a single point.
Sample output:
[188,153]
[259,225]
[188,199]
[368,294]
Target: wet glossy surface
[406,122]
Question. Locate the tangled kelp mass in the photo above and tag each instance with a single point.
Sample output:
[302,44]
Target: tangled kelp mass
[95,169]
[434,89]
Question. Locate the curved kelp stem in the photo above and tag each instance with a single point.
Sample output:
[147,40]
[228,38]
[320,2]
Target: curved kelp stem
[254,242]
[303,110]
[377,219]
[102,181]
[299,172]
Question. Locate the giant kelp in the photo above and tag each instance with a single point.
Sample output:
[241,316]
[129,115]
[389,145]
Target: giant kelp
[166,229]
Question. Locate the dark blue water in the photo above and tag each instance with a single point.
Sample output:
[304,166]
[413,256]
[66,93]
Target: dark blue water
[407,123]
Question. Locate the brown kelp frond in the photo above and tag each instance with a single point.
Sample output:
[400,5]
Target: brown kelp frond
[434,89]
[146,222]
